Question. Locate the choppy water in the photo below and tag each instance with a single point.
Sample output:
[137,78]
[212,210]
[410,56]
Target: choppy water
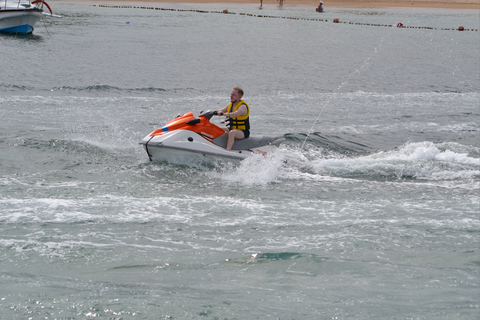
[370,210]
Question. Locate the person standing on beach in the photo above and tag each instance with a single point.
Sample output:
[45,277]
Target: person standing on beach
[237,113]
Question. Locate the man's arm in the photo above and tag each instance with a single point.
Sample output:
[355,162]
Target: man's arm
[242,110]
[220,112]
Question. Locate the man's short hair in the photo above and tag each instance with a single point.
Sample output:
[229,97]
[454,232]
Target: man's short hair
[239,90]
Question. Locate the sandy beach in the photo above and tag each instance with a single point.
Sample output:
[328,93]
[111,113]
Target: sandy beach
[450,4]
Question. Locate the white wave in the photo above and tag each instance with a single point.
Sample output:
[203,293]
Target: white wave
[420,160]
[284,163]
[256,170]
[428,151]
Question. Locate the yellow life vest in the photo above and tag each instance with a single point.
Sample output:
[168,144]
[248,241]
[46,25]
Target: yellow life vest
[240,122]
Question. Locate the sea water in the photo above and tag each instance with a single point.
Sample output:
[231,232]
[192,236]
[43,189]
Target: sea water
[369,210]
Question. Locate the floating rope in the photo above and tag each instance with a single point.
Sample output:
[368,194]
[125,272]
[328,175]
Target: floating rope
[336,20]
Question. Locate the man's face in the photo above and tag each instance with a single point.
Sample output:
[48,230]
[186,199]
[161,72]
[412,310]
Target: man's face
[234,96]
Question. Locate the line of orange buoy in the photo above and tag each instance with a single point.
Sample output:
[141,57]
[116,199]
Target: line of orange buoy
[335,20]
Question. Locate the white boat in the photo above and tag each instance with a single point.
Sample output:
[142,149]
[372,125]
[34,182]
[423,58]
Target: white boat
[187,136]
[20,16]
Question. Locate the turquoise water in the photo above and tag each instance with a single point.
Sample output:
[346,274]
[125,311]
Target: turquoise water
[370,210]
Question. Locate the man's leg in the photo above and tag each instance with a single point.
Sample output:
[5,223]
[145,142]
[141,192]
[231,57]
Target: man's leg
[232,135]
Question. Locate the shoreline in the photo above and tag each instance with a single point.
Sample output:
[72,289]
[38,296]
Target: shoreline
[441,4]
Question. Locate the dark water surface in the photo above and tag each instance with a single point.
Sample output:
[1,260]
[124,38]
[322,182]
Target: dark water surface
[370,210]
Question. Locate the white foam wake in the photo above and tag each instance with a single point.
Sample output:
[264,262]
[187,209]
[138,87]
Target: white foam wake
[419,160]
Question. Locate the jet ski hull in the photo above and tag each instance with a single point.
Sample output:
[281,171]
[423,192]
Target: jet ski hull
[186,136]
[184,144]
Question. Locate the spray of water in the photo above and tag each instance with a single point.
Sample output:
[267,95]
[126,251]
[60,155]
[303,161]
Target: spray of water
[365,65]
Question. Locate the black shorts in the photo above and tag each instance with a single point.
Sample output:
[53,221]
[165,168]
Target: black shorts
[246,133]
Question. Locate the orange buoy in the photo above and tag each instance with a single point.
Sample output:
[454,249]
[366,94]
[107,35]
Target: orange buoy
[461,28]
[399,25]
[336,20]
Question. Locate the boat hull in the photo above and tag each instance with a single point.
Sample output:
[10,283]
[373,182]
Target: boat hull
[182,145]
[19,21]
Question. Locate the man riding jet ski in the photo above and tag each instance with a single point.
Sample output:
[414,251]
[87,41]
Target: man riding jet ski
[187,135]
[238,118]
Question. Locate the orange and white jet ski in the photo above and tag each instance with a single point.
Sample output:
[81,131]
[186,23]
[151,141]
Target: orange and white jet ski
[187,135]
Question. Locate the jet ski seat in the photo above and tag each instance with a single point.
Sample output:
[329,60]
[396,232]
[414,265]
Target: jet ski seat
[248,143]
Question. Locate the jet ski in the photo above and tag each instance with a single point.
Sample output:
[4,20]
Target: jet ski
[187,135]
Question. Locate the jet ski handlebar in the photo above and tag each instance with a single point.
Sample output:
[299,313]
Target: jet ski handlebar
[208,114]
